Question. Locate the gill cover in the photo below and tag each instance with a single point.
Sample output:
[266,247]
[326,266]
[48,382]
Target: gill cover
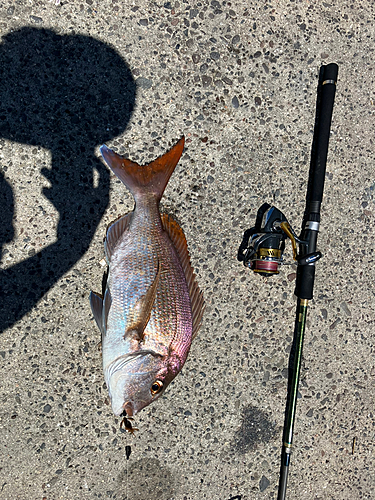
[132,386]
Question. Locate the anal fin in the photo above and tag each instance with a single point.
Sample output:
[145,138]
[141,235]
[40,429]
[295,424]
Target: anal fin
[114,233]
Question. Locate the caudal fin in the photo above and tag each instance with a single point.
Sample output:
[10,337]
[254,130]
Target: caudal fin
[152,178]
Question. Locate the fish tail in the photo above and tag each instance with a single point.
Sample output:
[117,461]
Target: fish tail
[149,179]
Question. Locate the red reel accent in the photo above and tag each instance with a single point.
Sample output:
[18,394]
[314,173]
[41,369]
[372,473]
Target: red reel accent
[266,266]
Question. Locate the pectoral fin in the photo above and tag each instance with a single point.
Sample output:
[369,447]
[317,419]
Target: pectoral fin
[139,316]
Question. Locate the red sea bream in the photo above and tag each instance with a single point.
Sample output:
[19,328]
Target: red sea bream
[151,307]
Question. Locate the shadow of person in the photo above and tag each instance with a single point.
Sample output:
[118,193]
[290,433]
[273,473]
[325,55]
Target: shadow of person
[69,94]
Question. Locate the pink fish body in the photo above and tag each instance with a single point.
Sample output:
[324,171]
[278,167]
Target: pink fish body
[151,307]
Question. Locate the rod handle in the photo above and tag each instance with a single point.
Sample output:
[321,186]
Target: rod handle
[326,97]
[310,226]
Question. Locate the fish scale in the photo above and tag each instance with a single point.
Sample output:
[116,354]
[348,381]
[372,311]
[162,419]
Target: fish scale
[172,298]
[152,307]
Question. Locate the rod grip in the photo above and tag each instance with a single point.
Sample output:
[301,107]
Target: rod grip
[326,97]
[323,118]
[305,281]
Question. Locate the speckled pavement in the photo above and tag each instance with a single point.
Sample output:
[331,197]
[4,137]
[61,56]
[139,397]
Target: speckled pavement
[239,80]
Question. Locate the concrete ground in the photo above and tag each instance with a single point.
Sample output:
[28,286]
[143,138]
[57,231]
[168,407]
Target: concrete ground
[239,80]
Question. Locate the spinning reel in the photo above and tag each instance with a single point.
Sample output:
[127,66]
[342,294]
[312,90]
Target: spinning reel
[263,245]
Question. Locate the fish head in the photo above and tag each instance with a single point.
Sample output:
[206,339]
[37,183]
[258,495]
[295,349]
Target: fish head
[138,380]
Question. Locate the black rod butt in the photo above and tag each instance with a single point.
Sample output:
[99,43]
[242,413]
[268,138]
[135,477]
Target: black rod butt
[330,72]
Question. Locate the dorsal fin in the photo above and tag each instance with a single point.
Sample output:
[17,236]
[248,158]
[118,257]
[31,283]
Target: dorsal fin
[144,180]
[178,239]
[114,232]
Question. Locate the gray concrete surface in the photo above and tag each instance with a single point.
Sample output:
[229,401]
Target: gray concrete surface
[239,80]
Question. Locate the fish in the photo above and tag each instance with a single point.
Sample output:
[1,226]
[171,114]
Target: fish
[151,307]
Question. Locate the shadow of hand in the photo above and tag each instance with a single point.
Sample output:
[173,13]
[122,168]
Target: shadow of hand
[80,203]
[68,94]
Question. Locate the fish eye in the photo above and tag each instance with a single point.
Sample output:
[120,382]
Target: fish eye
[156,387]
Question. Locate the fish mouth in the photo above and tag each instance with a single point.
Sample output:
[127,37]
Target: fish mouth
[128,410]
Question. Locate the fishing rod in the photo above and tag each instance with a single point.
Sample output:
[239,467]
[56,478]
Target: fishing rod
[262,249]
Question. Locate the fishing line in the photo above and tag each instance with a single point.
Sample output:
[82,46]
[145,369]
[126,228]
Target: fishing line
[128,451]
[128,429]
